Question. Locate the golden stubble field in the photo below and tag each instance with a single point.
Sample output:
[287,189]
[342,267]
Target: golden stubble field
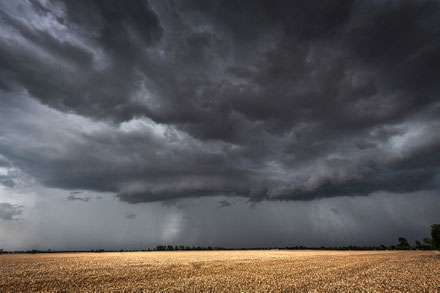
[223,271]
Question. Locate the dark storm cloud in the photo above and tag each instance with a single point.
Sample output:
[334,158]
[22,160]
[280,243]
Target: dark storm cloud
[62,73]
[158,100]
[8,212]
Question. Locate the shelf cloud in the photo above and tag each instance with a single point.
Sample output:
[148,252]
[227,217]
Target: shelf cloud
[266,100]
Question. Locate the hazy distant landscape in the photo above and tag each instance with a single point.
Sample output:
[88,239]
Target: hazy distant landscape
[223,271]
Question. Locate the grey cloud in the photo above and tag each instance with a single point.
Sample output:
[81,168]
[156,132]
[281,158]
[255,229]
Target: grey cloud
[130,216]
[76,198]
[75,192]
[4,162]
[7,180]
[162,100]
[377,219]
[224,203]
[362,144]
[10,177]
[8,211]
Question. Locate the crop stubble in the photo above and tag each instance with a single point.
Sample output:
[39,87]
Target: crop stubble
[223,271]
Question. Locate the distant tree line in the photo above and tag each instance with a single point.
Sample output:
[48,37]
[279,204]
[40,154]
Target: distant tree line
[182,247]
[402,244]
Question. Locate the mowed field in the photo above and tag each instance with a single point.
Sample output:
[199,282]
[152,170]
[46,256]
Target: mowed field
[223,271]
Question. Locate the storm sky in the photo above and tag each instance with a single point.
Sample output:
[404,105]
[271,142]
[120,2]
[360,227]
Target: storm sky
[226,123]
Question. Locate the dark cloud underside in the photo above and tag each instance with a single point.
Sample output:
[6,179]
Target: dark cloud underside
[158,100]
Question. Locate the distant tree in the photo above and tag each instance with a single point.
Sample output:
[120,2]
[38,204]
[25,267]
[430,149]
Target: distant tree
[160,247]
[427,243]
[170,247]
[435,234]
[419,245]
[403,243]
